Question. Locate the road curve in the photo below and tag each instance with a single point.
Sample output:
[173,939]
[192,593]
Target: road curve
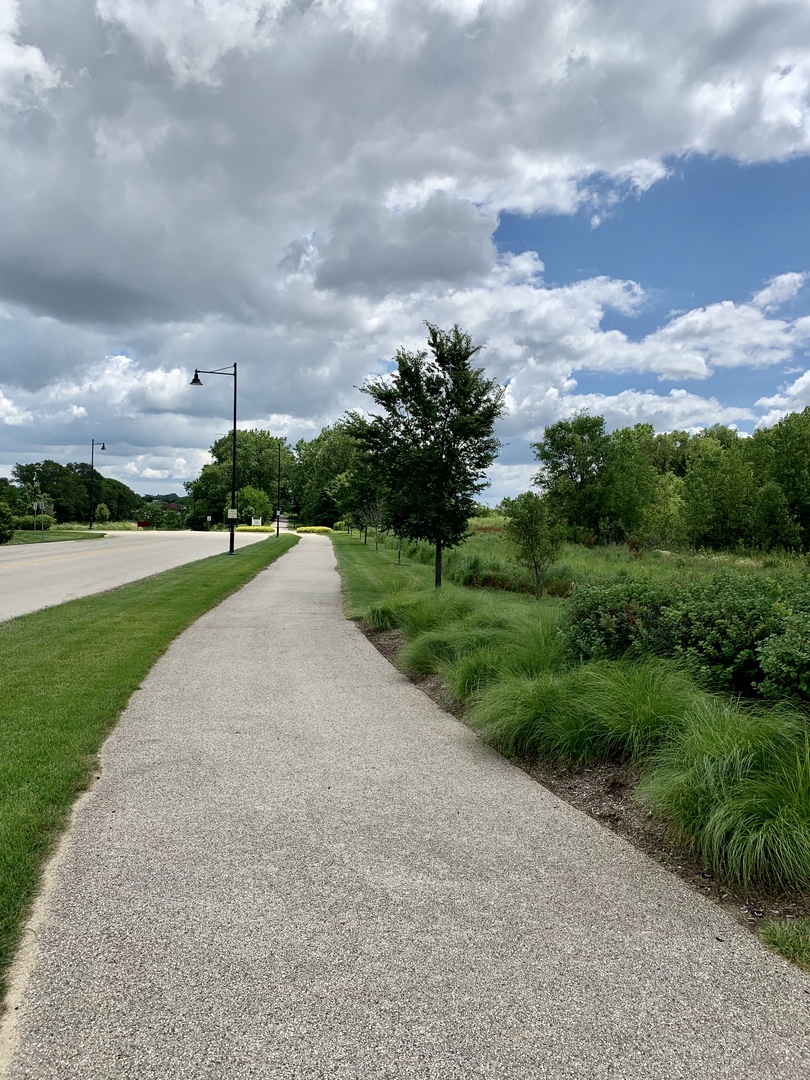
[35,576]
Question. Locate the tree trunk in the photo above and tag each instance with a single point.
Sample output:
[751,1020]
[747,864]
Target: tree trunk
[399,551]
[438,564]
[365,535]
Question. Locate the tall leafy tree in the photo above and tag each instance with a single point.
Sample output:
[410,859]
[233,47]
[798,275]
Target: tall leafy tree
[316,487]
[572,455]
[628,483]
[788,446]
[434,440]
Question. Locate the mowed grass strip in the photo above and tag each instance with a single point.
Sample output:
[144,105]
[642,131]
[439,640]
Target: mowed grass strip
[67,674]
[370,576]
[52,536]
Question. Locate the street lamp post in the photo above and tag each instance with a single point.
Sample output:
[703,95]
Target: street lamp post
[197,381]
[92,458]
[278,490]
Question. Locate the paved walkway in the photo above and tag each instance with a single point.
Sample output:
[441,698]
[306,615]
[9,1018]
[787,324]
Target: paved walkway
[295,865]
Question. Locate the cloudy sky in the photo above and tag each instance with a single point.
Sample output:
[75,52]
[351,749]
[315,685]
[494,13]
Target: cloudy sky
[611,196]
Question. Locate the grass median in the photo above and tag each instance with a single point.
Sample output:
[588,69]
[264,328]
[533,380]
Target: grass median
[68,673]
[51,536]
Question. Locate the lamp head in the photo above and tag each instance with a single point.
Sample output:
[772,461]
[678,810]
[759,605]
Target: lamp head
[102,447]
[196,381]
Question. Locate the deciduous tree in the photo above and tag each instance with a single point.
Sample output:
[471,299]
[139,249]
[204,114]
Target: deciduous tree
[534,536]
[434,440]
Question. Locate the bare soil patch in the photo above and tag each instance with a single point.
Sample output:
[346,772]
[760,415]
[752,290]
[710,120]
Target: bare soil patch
[606,792]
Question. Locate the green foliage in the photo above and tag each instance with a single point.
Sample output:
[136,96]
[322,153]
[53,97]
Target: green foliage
[433,443]
[65,489]
[534,536]
[253,502]
[713,489]
[6,523]
[572,454]
[102,513]
[739,632]
[258,456]
[68,671]
[31,521]
[735,785]
[784,658]
[320,464]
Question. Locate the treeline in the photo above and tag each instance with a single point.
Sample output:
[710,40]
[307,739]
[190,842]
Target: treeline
[65,491]
[715,489]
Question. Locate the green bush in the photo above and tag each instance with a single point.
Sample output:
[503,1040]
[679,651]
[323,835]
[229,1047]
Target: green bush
[785,659]
[722,627]
[28,522]
[319,529]
[6,523]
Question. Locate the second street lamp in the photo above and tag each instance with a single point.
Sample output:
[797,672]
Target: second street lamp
[197,381]
[92,458]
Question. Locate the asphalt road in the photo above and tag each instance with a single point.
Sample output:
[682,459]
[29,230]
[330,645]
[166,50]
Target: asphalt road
[34,576]
[294,865]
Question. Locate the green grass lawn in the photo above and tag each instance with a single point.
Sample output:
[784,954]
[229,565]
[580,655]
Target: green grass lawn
[370,576]
[52,536]
[68,673]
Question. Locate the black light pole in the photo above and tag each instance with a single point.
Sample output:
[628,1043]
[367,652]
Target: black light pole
[197,381]
[278,490]
[92,458]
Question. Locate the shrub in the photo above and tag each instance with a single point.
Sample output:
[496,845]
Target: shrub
[605,621]
[785,659]
[319,529]
[721,627]
[27,522]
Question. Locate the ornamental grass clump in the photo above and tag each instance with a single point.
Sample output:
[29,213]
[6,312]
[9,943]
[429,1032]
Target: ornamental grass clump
[432,610]
[387,613]
[595,712]
[524,644]
[734,784]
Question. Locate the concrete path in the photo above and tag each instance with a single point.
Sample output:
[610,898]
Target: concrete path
[295,865]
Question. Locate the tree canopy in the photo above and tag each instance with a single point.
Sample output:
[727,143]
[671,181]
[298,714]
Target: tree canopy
[431,445]
[714,489]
